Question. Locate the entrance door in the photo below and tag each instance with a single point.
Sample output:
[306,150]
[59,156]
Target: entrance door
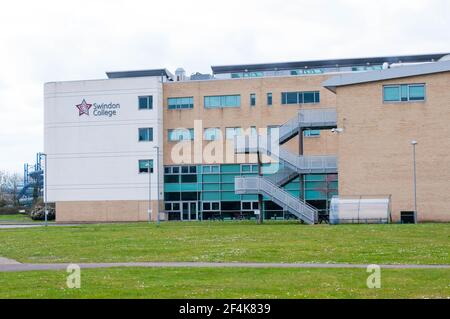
[193,211]
[185,211]
[189,211]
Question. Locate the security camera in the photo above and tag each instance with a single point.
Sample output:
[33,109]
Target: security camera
[337,130]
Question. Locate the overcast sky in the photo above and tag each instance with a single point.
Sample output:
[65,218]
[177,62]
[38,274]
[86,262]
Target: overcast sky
[59,40]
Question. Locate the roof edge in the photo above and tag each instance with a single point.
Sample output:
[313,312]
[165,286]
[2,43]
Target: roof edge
[386,74]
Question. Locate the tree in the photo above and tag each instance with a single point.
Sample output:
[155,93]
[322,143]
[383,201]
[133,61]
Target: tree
[9,187]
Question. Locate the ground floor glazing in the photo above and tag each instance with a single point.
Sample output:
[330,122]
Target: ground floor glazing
[205,192]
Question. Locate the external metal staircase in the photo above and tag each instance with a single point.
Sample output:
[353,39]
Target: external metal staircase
[290,165]
[261,185]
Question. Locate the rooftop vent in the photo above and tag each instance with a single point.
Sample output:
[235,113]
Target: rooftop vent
[180,74]
[200,76]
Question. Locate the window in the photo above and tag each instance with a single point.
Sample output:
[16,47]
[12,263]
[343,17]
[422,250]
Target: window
[271,130]
[145,102]
[246,75]
[300,97]
[146,134]
[311,133]
[188,169]
[252,99]
[189,178]
[404,93]
[231,132]
[253,131]
[221,101]
[249,205]
[210,169]
[211,134]
[144,165]
[269,99]
[180,134]
[209,206]
[249,168]
[171,178]
[417,92]
[174,103]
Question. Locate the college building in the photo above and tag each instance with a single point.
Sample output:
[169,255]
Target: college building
[276,140]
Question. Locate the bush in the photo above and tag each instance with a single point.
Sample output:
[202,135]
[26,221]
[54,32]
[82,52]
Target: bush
[38,212]
[8,210]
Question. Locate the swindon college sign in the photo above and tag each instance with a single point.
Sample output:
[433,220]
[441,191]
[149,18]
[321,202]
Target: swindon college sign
[98,109]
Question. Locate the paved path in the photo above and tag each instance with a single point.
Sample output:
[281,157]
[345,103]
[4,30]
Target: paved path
[7,261]
[25,225]
[15,266]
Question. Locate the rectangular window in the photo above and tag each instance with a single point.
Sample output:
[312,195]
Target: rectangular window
[180,134]
[210,169]
[252,99]
[404,93]
[300,97]
[249,205]
[189,178]
[174,103]
[211,134]
[231,132]
[269,99]
[417,92]
[222,101]
[145,102]
[144,166]
[209,206]
[308,97]
[171,178]
[271,130]
[311,133]
[146,134]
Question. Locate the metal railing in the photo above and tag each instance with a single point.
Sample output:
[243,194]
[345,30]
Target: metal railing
[308,118]
[318,164]
[282,175]
[260,185]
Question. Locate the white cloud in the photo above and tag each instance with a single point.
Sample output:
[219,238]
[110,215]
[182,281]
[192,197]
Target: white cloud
[64,40]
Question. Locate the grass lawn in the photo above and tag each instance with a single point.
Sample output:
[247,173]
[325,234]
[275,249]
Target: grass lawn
[226,283]
[15,218]
[229,241]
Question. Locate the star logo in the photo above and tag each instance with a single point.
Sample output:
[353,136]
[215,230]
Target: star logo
[83,108]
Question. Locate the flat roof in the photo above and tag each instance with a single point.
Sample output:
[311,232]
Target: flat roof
[218,69]
[139,73]
[386,74]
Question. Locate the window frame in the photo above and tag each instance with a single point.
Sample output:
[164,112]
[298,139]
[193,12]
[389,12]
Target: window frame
[235,128]
[287,97]
[191,133]
[178,106]
[221,100]
[150,129]
[149,105]
[269,98]
[210,205]
[309,133]
[152,168]
[216,133]
[252,99]
[400,87]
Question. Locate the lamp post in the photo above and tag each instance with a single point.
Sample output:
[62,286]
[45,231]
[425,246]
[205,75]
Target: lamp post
[45,188]
[414,143]
[149,209]
[157,183]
